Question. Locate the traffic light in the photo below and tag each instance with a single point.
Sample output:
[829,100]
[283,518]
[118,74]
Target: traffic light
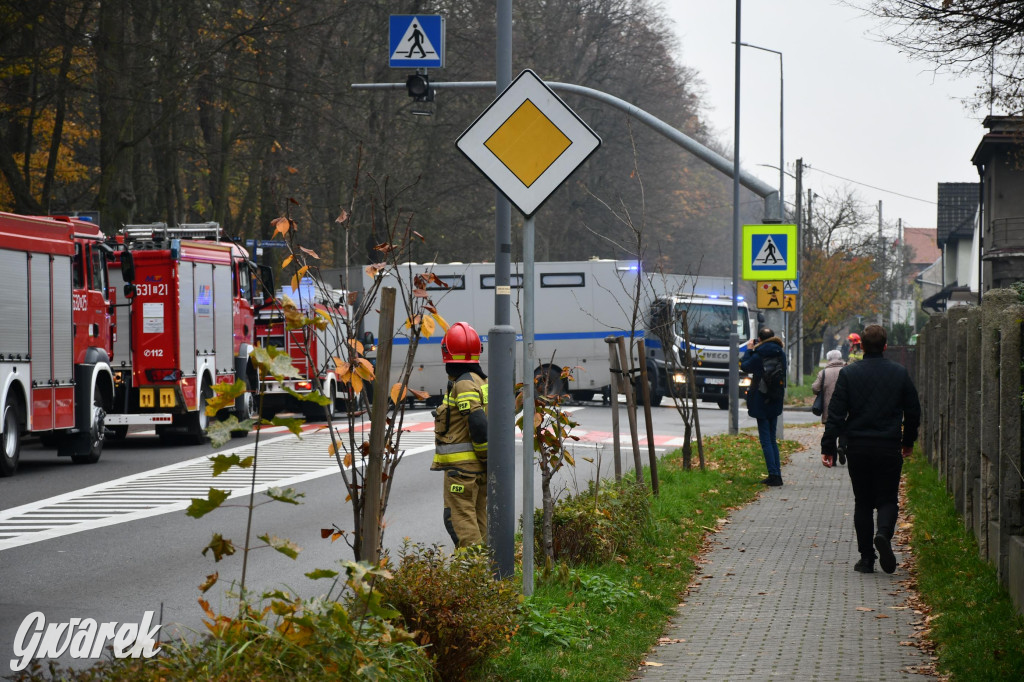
[418,87]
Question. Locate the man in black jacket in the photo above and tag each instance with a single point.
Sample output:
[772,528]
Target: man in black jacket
[875,405]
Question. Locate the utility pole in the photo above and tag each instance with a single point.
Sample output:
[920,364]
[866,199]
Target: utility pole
[799,375]
[810,232]
[881,264]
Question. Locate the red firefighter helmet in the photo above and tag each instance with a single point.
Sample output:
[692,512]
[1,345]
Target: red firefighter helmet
[461,343]
[853,338]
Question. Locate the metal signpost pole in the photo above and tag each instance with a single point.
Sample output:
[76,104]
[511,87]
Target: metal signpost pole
[501,469]
[529,406]
[734,336]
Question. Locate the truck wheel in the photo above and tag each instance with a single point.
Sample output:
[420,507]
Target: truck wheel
[91,442]
[198,421]
[117,432]
[339,406]
[245,408]
[653,393]
[549,382]
[11,442]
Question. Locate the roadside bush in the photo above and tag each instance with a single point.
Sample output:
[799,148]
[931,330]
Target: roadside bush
[282,638]
[595,526]
[457,610]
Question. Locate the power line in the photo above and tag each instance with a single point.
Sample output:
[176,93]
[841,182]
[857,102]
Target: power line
[864,184]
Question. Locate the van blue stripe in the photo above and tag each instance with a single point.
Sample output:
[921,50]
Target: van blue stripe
[403,341]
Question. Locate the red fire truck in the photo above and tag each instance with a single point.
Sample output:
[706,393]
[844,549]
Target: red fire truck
[191,325]
[322,345]
[55,336]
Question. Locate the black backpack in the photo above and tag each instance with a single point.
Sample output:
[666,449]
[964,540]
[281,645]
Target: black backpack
[773,380]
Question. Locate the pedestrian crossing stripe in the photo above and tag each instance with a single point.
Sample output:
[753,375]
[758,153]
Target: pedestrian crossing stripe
[284,462]
[770,252]
[416,41]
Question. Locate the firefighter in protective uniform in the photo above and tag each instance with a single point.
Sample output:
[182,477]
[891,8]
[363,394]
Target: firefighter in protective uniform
[460,433]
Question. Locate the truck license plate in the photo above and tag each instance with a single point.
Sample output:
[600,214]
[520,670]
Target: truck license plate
[714,381]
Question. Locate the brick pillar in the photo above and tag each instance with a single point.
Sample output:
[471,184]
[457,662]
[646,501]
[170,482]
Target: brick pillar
[972,435]
[939,388]
[1011,461]
[986,526]
[921,382]
[957,362]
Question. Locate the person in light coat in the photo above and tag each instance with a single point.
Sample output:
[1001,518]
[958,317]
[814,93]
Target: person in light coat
[826,381]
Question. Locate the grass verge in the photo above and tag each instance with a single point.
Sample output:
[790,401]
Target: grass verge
[597,622]
[976,631]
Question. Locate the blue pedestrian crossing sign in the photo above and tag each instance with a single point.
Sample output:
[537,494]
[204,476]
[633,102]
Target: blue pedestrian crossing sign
[416,41]
[769,252]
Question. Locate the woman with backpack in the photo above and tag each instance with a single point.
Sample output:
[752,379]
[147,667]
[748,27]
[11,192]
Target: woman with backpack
[765,362]
[825,383]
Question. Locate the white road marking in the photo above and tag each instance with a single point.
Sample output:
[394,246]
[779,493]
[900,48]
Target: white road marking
[283,462]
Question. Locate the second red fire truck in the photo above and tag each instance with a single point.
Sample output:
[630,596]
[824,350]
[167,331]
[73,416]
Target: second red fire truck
[192,324]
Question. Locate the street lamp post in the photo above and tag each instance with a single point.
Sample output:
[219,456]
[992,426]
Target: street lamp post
[782,155]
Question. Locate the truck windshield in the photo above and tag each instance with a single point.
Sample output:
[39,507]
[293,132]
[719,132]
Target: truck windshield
[710,323]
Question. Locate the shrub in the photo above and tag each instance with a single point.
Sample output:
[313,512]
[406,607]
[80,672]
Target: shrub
[282,638]
[595,526]
[455,607]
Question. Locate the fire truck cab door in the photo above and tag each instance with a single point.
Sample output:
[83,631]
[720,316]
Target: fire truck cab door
[90,303]
[243,331]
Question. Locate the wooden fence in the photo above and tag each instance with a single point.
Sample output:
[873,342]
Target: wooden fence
[969,372]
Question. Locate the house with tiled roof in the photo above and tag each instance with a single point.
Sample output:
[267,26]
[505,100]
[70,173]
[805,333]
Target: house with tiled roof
[999,162]
[956,217]
[923,247]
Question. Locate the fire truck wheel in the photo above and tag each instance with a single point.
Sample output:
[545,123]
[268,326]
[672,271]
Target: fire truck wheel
[245,409]
[198,420]
[337,408]
[11,441]
[91,441]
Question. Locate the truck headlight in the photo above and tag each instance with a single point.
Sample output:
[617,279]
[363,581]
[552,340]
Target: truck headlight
[679,378]
[745,381]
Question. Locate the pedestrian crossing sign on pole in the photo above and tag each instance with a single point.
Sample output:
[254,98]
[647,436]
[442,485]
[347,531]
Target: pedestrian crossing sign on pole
[770,252]
[416,41]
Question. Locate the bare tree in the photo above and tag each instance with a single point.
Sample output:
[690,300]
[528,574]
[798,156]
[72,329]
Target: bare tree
[982,39]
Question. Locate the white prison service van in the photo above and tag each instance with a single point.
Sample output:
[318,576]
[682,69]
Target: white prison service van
[578,304]
[708,319]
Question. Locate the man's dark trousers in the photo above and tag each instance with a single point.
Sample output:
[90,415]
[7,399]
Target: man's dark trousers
[875,474]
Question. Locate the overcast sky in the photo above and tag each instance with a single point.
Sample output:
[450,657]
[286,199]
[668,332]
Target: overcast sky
[854,106]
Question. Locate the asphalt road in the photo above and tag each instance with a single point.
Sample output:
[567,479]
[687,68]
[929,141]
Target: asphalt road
[110,541]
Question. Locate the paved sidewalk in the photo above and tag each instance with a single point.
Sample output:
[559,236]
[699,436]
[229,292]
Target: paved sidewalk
[778,597]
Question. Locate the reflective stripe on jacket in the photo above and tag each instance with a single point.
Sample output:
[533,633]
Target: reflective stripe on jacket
[454,448]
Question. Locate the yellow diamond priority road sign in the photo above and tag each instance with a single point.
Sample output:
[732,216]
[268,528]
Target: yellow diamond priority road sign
[528,142]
